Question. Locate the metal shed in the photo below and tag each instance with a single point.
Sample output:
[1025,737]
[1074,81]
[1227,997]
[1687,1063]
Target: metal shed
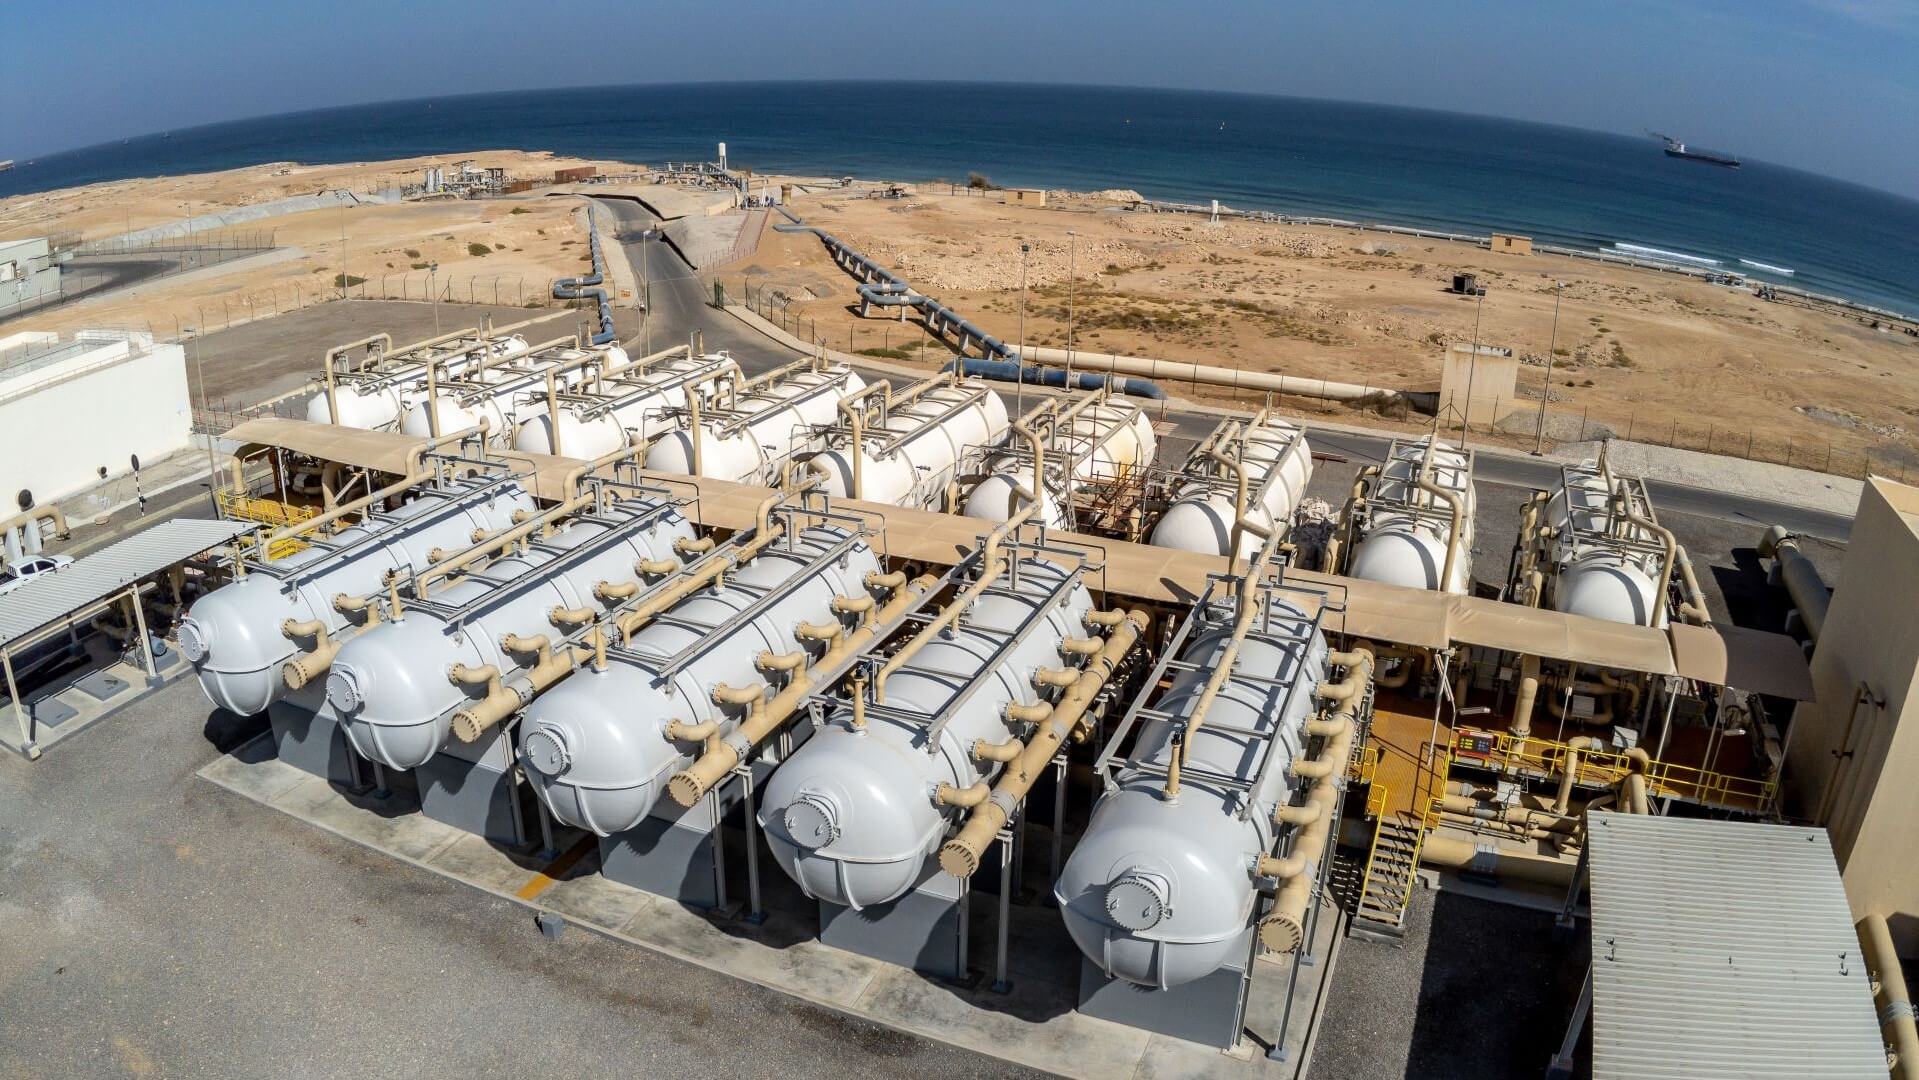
[1722,949]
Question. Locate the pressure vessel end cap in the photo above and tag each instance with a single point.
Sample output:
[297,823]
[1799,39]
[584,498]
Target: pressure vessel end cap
[546,751]
[1137,901]
[812,821]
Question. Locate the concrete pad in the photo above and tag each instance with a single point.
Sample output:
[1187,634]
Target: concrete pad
[1176,1059]
[254,772]
[476,861]
[1033,1025]
[596,901]
[780,952]
[408,835]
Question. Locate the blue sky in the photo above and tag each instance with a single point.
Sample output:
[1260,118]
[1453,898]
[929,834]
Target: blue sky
[1831,86]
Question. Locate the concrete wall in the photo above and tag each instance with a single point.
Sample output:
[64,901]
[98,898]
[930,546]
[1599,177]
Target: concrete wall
[1854,770]
[1490,378]
[28,275]
[108,397]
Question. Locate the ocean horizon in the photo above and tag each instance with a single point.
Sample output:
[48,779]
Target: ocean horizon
[1374,163]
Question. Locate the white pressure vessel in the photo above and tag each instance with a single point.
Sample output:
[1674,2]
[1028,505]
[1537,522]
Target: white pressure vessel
[390,685]
[234,637]
[1278,463]
[910,458]
[852,816]
[1100,443]
[1408,548]
[765,428]
[634,408]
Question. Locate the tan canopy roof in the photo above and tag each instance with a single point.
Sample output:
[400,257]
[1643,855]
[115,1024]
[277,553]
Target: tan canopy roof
[1750,659]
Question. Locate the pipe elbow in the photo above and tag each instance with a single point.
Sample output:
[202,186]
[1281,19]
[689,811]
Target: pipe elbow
[1029,714]
[1001,752]
[655,567]
[612,592]
[681,731]
[769,661]
[1081,646]
[965,798]
[1055,677]
[566,616]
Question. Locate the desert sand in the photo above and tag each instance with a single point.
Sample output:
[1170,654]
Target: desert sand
[1646,355]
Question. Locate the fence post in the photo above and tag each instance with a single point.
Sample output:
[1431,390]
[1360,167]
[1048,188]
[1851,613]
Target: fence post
[1749,444]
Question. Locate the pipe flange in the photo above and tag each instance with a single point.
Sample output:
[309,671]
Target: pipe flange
[346,688]
[1137,900]
[546,751]
[195,640]
[812,820]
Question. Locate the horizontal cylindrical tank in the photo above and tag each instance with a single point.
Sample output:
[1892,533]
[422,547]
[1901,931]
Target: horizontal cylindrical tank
[596,747]
[852,815]
[233,636]
[910,458]
[764,428]
[1278,463]
[508,395]
[1161,891]
[1594,578]
[1405,547]
[391,685]
[377,400]
[1099,443]
[633,409]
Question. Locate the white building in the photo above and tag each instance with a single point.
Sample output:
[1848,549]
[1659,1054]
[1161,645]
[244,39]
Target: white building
[71,409]
[29,275]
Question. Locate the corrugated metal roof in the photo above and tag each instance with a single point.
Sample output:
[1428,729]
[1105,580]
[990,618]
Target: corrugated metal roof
[93,577]
[1723,949]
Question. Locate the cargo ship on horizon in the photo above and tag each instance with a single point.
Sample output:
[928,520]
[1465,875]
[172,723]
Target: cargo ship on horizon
[1678,149]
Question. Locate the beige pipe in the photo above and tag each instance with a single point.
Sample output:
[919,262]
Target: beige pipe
[690,785]
[385,341]
[1692,608]
[1248,611]
[1180,371]
[1889,994]
[961,855]
[1569,775]
[993,567]
[538,523]
[1453,854]
[1455,537]
[1283,928]
[966,798]
[502,701]
[1531,818]
[1342,532]
[301,670]
[1527,699]
[1001,752]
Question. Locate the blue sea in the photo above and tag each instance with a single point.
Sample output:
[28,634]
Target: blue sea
[1292,155]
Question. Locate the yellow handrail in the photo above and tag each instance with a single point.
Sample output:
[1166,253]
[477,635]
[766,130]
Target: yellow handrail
[1603,768]
[239,506]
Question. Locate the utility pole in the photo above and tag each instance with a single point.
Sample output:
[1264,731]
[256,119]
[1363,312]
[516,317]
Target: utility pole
[1546,393]
[1472,369]
[1072,299]
[646,292]
[200,375]
[1019,385]
[433,286]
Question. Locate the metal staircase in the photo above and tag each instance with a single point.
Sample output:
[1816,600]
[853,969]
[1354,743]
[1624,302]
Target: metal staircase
[1391,874]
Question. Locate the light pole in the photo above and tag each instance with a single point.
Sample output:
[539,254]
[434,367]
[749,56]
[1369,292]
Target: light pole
[646,292]
[1546,393]
[1472,369]
[200,375]
[1019,385]
[1072,298]
[433,287]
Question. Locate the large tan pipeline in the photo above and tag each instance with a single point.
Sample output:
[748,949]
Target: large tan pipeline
[415,475]
[1804,587]
[1284,927]
[690,785]
[960,856]
[1889,994]
[1205,374]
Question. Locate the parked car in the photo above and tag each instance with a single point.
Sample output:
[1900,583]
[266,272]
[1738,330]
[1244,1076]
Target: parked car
[18,574]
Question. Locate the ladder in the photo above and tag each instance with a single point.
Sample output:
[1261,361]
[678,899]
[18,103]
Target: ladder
[1392,869]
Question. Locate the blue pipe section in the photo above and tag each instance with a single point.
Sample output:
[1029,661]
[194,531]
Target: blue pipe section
[1057,378]
[886,289]
[582,288]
